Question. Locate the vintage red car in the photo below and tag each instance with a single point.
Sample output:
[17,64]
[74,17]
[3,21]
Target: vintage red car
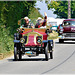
[67,30]
[32,42]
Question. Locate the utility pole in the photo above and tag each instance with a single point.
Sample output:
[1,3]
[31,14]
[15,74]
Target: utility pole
[69,9]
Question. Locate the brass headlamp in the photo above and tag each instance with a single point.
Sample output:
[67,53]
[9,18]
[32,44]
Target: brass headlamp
[22,40]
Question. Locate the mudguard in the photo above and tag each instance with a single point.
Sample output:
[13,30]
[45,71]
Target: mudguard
[44,41]
[16,41]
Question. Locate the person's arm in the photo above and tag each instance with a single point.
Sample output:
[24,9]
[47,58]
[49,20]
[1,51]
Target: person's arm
[31,25]
[45,15]
[45,20]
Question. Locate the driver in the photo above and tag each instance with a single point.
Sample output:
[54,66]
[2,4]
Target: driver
[27,24]
[41,23]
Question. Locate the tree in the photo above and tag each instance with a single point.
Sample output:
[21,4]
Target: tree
[12,11]
[61,8]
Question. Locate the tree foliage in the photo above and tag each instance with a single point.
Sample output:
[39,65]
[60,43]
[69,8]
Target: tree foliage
[60,8]
[12,11]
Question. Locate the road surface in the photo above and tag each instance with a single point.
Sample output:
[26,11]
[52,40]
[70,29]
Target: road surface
[63,62]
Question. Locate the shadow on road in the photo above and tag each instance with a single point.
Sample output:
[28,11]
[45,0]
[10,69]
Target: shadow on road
[65,43]
[28,59]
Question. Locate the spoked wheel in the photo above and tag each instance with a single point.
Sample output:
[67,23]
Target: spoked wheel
[46,53]
[20,56]
[15,53]
[50,50]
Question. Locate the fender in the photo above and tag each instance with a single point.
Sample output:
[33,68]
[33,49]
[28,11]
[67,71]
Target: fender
[50,41]
[45,41]
[16,41]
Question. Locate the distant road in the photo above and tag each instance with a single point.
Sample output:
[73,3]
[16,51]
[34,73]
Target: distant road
[63,62]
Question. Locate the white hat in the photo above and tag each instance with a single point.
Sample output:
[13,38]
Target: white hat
[26,18]
[39,18]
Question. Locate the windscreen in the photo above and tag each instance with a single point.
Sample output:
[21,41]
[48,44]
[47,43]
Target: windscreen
[66,23]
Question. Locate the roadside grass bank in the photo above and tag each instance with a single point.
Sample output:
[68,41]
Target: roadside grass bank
[6,55]
[6,42]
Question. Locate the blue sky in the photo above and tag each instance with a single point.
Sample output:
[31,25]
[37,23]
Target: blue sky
[43,7]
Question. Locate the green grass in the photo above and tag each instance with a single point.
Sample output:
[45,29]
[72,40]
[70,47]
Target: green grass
[6,42]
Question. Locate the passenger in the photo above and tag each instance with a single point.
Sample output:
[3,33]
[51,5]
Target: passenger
[41,23]
[27,24]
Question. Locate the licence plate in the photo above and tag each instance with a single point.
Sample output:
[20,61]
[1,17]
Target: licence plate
[28,53]
[27,48]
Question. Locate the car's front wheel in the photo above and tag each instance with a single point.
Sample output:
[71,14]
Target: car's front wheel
[15,53]
[51,54]
[46,53]
[20,56]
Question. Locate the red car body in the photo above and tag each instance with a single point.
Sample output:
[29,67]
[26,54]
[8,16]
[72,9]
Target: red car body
[32,42]
[68,30]
[31,37]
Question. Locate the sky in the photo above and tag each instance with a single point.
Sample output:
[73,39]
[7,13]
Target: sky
[43,8]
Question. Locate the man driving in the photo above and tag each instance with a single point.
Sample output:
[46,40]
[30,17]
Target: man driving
[27,24]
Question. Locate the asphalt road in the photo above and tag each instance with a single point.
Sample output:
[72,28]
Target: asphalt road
[63,62]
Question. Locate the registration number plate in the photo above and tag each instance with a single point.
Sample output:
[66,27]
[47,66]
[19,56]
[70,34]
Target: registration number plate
[28,53]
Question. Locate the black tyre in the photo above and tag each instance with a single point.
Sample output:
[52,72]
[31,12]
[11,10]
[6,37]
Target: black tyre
[15,53]
[46,53]
[51,55]
[61,41]
[20,56]
[50,47]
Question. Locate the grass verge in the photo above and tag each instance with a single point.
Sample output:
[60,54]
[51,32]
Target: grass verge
[6,54]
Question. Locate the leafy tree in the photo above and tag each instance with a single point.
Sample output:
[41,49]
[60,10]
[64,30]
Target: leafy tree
[61,8]
[12,11]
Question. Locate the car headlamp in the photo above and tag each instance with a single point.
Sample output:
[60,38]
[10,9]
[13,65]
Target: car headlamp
[61,31]
[39,40]
[22,40]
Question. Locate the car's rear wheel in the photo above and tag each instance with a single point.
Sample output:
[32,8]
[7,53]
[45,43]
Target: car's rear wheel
[50,47]
[46,53]
[51,55]
[15,53]
[20,56]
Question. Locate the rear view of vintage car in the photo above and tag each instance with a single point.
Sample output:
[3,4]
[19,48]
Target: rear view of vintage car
[32,42]
[68,30]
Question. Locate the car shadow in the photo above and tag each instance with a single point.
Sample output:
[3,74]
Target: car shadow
[28,59]
[65,43]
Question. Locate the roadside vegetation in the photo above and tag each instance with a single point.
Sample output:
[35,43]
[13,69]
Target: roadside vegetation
[60,8]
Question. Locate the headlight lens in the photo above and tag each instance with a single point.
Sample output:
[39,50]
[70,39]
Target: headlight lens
[22,40]
[39,40]
[61,31]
